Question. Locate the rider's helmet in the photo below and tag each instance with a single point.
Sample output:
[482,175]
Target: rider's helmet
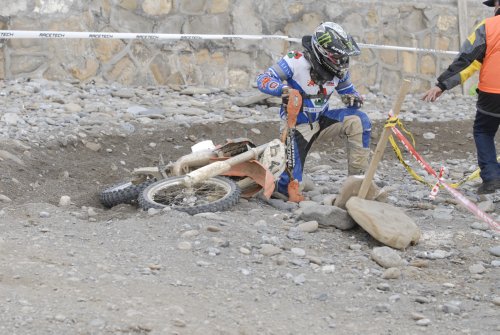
[332,47]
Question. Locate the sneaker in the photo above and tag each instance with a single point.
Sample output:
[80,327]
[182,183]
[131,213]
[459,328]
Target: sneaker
[488,187]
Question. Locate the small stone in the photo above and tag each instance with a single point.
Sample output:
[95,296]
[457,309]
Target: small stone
[202,263]
[269,250]
[179,323]
[429,136]
[496,301]
[294,233]
[422,300]
[382,308]
[244,251]
[394,298]
[495,251]
[384,287]
[93,146]
[298,252]
[423,322]
[153,211]
[417,316]
[420,263]
[154,267]
[300,279]
[480,226]
[91,212]
[280,260]
[184,246]
[314,260]
[255,131]
[44,215]
[392,273]
[213,229]
[452,307]
[477,269]
[64,201]
[308,227]
[245,272]
[355,247]
[386,257]
[436,254]
[328,268]
[213,251]
[190,233]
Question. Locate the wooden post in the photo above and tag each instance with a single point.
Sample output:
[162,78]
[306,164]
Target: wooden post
[463,28]
[382,143]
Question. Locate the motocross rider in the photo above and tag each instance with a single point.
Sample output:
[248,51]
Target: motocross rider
[321,68]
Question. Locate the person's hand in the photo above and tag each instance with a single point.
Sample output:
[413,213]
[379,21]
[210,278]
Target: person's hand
[352,100]
[432,94]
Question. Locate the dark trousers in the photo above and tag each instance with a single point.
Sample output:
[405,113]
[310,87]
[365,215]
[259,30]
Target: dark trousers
[485,128]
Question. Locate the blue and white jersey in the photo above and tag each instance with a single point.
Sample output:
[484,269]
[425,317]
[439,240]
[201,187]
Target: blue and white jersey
[295,69]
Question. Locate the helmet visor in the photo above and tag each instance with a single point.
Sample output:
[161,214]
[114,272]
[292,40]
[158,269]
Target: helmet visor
[334,61]
[340,62]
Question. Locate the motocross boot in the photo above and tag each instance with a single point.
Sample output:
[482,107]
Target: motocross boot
[357,160]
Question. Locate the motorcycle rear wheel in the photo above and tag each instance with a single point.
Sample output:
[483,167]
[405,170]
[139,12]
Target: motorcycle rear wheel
[212,195]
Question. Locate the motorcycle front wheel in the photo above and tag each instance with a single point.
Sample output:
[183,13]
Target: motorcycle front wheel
[212,195]
[125,192]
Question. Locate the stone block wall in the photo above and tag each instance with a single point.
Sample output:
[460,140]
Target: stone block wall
[431,24]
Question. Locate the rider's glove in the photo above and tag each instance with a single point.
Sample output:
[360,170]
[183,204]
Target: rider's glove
[352,100]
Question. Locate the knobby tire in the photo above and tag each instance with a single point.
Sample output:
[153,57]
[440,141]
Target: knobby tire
[212,195]
[123,193]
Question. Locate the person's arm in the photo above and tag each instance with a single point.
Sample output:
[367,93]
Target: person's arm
[271,81]
[468,61]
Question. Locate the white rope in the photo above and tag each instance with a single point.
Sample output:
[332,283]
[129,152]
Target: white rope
[13,34]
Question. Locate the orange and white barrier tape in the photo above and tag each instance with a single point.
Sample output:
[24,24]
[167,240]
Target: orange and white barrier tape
[440,181]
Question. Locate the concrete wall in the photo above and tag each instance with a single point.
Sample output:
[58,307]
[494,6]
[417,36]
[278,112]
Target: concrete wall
[425,24]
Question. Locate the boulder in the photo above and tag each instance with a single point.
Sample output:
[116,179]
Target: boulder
[384,222]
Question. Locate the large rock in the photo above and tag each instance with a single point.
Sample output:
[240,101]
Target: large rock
[384,222]
[351,187]
[327,216]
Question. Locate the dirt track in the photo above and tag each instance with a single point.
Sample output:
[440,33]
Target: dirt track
[44,178]
[84,269]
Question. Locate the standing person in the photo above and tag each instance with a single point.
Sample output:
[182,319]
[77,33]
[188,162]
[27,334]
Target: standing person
[481,51]
[321,68]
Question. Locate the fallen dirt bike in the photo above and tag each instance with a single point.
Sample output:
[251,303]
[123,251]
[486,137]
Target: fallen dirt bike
[211,178]
[207,180]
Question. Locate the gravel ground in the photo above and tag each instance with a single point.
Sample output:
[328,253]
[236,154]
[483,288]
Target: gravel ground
[76,267]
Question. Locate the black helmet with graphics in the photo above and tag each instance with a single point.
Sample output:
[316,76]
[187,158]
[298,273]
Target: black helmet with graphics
[332,47]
